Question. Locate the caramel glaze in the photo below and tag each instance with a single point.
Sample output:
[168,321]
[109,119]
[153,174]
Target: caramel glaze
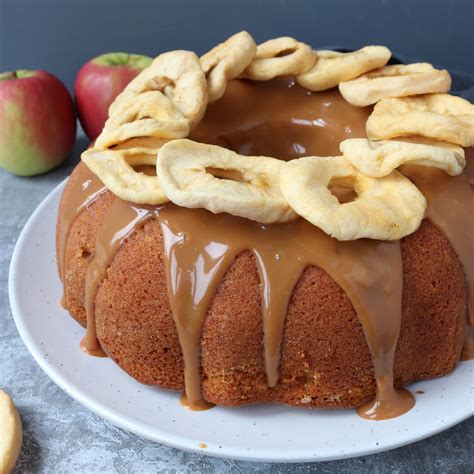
[121,220]
[87,188]
[200,246]
[451,207]
[278,118]
[281,119]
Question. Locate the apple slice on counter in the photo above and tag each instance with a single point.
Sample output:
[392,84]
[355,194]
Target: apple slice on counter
[11,436]
[98,83]
[37,122]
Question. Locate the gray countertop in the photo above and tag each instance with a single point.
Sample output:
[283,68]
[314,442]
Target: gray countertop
[62,436]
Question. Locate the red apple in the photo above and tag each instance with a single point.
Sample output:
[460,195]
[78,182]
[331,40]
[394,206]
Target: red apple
[37,122]
[98,83]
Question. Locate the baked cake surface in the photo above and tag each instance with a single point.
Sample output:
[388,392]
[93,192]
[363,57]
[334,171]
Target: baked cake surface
[325,359]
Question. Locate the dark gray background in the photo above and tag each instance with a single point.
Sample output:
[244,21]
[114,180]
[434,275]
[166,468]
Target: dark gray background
[60,35]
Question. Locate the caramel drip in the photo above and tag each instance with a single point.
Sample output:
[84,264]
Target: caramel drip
[121,220]
[199,247]
[277,284]
[194,266]
[87,188]
[451,209]
[200,405]
[281,119]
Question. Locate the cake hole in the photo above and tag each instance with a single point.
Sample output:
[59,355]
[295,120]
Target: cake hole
[343,190]
[85,253]
[302,379]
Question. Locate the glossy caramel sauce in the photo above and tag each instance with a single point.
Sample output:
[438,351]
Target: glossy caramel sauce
[121,220]
[451,208]
[280,119]
[199,405]
[87,188]
[200,246]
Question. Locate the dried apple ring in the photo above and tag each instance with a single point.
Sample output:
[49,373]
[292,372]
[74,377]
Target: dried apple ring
[11,436]
[377,159]
[196,175]
[283,56]
[149,114]
[442,117]
[179,76]
[175,99]
[114,168]
[226,61]
[395,81]
[387,208]
[333,67]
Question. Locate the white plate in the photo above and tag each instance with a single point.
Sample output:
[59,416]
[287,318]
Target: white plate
[260,433]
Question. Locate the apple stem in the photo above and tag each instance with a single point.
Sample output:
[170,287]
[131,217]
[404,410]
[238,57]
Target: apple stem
[9,75]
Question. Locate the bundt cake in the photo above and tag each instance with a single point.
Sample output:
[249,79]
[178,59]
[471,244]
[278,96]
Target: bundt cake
[199,295]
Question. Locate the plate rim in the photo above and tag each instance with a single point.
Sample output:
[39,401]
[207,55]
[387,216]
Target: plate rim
[180,442]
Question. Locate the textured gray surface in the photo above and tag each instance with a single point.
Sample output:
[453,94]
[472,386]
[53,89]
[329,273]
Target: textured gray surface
[62,436]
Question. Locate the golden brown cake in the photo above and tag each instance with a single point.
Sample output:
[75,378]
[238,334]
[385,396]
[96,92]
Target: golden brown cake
[236,310]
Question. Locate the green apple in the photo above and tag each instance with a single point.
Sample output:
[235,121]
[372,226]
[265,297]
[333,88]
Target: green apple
[99,81]
[37,122]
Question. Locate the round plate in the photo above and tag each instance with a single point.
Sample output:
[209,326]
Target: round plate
[260,433]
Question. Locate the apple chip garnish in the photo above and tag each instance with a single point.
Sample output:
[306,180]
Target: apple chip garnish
[196,175]
[115,170]
[442,117]
[226,61]
[377,159]
[387,208]
[332,67]
[283,56]
[149,120]
[395,81]
[149,114]
[165,100]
